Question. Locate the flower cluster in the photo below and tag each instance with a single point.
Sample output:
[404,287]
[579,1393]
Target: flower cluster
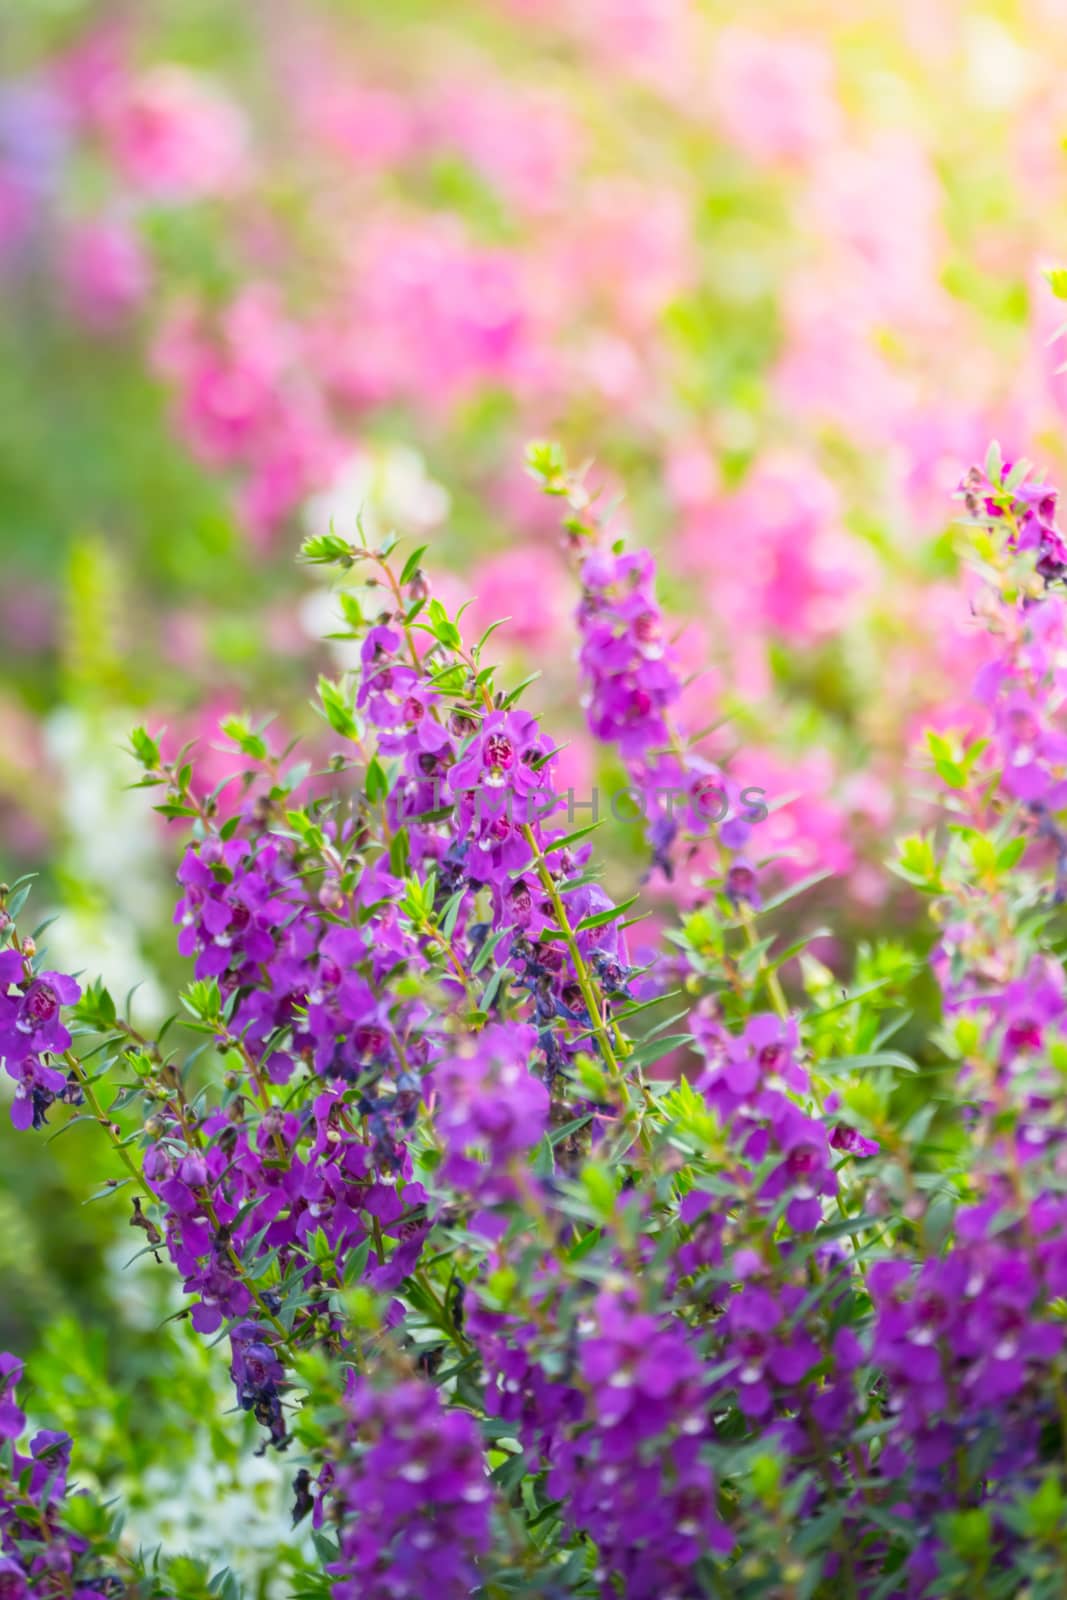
[413,1496]
[1026,506]
[527,1317]
[33,1035]
[41,1557]
[632,685]
[490,1100]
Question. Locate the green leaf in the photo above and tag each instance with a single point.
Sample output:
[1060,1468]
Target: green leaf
[1009,854]
[411,565]
[376,785]
[329,549]
[451,913]
[486,951]
[144,747]
[568,840]
[336,706]
[795,889]
[443,630]
[399,853]
[600,919]
[545,460]
[876,1058]
[510,699]
[653,1050]
[587,1242]
[493,986]
[487,635]
[250,743]
[557,1135]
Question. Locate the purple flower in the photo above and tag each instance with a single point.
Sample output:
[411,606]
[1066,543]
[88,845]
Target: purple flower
[14,1584]
[257,1375]
[852,1142]
[769,1355]
[624,657]
[32,1031]
[12,1420]
[633,1478]
[411,1495]
[742,885]
[490,1101]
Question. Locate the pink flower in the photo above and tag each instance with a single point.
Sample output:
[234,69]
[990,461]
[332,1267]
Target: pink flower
[692,475]
[246,397]
[648,39]
[803,573]
[523,141]
[875,209]
[831,372]
[773,96]
[623,221]
[175,136]
[106,273]
[1047,351]
[371,127]
[430,316]
[528,585]
[811,831]
[93,75]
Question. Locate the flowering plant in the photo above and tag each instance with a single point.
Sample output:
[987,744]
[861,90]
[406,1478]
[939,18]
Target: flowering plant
[528,1311]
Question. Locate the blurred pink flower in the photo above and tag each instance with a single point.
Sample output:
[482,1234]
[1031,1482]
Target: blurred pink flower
[773,96]
[175,136]
[225,391]
[933,666]
[28,614]
[215,761]
[373,128]
[935,449]
[93,74]
[692,475]
[246,398]
[430,315]
[1047,345]
[517,500]
[105,271]
[529,585]
[23,825]
[802,573]
[523,141]
[608,367]
[575,770]
[297,454]
[650,39]
[626,252]
[830,373]
[875,211]
[809,831]
[647,39]
[1037,142]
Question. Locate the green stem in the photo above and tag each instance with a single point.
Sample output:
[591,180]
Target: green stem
[767,973]
[586,984]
